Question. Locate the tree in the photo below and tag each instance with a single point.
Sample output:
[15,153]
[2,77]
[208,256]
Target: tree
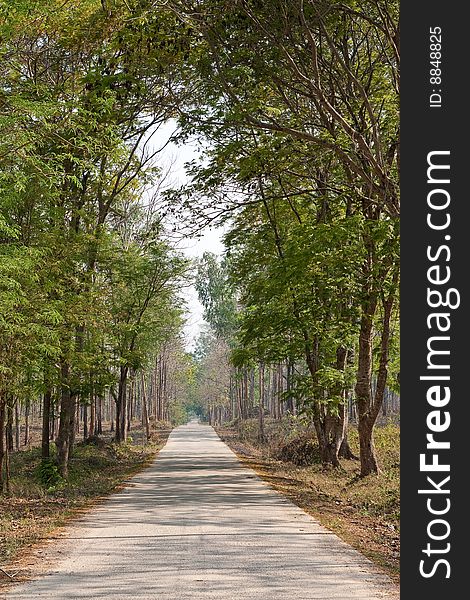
[143,309]
[322,79]
[81,96]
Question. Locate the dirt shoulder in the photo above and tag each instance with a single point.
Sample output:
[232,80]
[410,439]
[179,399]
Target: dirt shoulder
[363,512]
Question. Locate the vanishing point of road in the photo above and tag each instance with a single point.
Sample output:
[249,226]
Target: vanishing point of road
[199,525]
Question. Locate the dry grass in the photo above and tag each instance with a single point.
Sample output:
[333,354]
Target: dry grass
[362,511]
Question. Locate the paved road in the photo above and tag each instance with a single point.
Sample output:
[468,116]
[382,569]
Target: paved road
[198,525]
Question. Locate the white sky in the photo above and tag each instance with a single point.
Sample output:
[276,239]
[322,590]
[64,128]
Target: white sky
[177,156]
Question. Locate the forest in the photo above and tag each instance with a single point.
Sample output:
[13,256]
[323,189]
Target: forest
[294,108]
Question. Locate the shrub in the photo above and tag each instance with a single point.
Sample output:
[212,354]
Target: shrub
[301,450]
[48,475]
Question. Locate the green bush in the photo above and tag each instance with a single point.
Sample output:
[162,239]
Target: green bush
[48,475]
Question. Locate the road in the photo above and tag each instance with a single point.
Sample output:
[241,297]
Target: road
[199,525]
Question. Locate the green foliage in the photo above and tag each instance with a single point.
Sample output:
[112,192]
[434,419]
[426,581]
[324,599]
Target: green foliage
[217,295]
[88,286]
[48,475]
[299,104]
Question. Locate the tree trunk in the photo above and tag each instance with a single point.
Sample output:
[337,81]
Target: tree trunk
[112,410]
[78,412]
[2,444]
[130,404]
[330,425]
[239,393]
[145,415]
[85,422]
[46,420]
[52,427]
[290,405]
[99,421]
[280,390]
[232,395]
[274,392]
[6,484]
[9,427]
[26,424]
[340,422]
[345,449]
[92,425]
[121,416]
[368,455]
[329,438]
[66,420]
[261,435]
[17,426]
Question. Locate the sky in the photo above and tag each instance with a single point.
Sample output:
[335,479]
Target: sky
[210,241]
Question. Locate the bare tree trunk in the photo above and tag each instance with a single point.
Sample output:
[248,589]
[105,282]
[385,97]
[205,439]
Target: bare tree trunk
[17,426]
[7,468]
[99,419]
[239,395]
[112,410]
[164,398]
[26,423]
[345,449]
[130,403]
[290,404]
[121,405]
[232,395]
[261,435]
[75,430]
[52,426]
[9,426]
[2,444]
[85,422]
[145,415]
[92,426]
[78,413]
[366,421]
[46,420]
[329,424]
[280,389]
[274,394]
[66,433]
[245,393]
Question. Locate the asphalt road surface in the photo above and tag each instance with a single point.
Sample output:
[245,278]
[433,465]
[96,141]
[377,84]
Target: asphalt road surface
[199,525]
